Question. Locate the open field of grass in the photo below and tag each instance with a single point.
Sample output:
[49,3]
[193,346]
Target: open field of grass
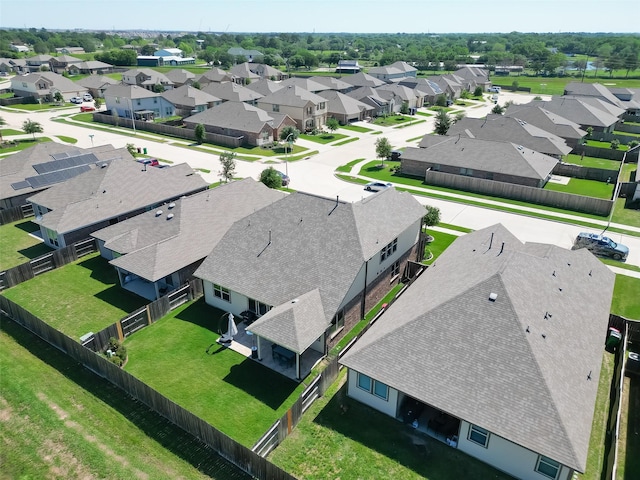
[587,188]
[62,421]
[81,297]
[555,85]
[366,444]
[17,246]
[594,162]
[235,394]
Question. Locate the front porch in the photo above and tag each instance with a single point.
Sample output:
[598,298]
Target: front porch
[244,342]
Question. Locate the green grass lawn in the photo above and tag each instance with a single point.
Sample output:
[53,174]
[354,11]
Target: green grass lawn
[67,139]
[237,395]
[80,297]
[323,138]
[626,301]
[366,444]
[441,242]
[356,128]
[23,144]
[348,140]
[347,168]
[588,188]
[597,143]
[625,216]
[17,246]
[594,162]
[392,120]
[62,421]
[6,132]
[555,85]
[424,114]
[627,170]
[37,107]
[408,124]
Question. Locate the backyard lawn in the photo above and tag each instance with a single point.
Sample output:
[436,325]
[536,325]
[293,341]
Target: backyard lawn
[17,246]
[587,188]
[626,301]
[352,441]
[594,162]
[62,421]
[237,395]
[80,297]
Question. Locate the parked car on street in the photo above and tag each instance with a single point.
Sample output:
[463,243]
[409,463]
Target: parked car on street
[601,246]
[376,186]
[75,100]
[149,161]
[87,108]
[285,178]
[87,97]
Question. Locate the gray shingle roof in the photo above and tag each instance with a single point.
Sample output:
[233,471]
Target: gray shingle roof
[514,130]
[333,83]
[264,86]
[518,366]
[361,79]
[129,91]
[231,92]
[154,246]
[302,243]
[308,84]
[117,189]
[596,90]
[578,111]
[485,155]
[546,120]
[292,96]
[96,81]
[235,115]
[343,104]
[188,95]
[180,75]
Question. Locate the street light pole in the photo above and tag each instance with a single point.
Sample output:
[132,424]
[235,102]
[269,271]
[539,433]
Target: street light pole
[286,160]
[616,190]
[91,137]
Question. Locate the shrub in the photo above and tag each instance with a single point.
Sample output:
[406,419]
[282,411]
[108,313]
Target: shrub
[117,361]
[615,144]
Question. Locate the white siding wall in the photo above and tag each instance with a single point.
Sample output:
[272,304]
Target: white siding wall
[388,406]
[239,303]
[105,252]
[506,456]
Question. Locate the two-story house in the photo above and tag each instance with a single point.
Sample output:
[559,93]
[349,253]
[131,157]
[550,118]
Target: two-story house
[131,101]
[307,109]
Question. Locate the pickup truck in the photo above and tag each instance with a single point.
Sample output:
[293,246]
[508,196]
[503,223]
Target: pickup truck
[601,246]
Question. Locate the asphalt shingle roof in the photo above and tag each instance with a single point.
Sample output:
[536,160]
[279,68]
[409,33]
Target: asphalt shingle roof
[525,366]
[577,110]
[231,92]
[234,115]
[546,120]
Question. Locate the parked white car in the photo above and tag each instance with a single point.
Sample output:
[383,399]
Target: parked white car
[87,97]
[75,100]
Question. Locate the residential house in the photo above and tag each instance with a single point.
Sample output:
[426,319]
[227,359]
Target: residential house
[348,66]
[333,83]
[216,75]
[564,128]
[37,168]
[168,52]
[96,84]
[307,109]
[90,67]
[180,77]
[499,345]
[629,99]
[363,80]
[63,63]
[346,109]
[6,66]
[38,62]
[511,129]
[18,48]
[425,88]
[44,85]
[410,98]
[69,50]
[158,251]
[244,73]
[188,100]
[580,111]
[232,92]
[132,101]
[373,97]
[19,65]
[491,160]
[476,76]
[393,72]
[266,71]
[310,267]
[309,84]
[264,86]
[71,211]
[600,92]
[237,119]
[146,78]
[250,55]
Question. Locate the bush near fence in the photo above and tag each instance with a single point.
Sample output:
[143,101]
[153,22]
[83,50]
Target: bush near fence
[226,447]
[550,198]
[164,129]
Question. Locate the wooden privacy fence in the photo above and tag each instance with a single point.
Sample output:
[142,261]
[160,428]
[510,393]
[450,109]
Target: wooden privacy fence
[144,316]
[550,198]
[14,214]
[49,261]
[232,451]
[606,153]
[588,173]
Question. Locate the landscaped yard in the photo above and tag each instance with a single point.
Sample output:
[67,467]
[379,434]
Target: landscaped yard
[597,143]
[392,120]
[84,296]
[60,420]
[18,145]
[17,246]
[323,138]
[594,162]
[626,301]
[441,242]
[237,395]
[356,128]
[352,441]
[587,188]
[347,168]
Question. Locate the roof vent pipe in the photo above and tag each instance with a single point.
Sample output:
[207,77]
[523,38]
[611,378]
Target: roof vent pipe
[491,241]
[493,296]
[501,249]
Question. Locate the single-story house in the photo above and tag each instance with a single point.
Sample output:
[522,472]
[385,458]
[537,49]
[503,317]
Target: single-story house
[472,157]
[71,211]
[497,350]
[35,63]
[363,80]
[232,92]
[348,66]
[580,111]
[96,84]
[37,168]
[501,128]
[477,75]
[551,122]
[143,248]
[310,267]
[346,109]
[593,90]
[91,67]
[188,100]
[132,101]
[44,85]
[394,71]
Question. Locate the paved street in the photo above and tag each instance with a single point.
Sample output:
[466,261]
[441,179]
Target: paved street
[316,174]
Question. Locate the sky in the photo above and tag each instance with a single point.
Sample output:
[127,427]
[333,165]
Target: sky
[323,16]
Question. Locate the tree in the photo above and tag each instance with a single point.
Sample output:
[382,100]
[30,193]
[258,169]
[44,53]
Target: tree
[443,122]
[289,134]
[589,132]
[58,96]
[2,122]
[432,217]
[383,148]
[332,124]
[196,85]
[31,127]
[515,85]
[478,91]
[615,144]
[131,148]
[404,108]
[228,161]
[497,109]
[271,178]
[441,100]
[158,88]
[199,133]
[98,103]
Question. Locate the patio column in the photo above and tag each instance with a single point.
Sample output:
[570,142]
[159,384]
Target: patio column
[259,347]
[155,286]
[297,366]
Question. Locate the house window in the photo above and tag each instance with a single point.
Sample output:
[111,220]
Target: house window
[276,108]
[478,435]
[388,250]
[52,236]
[155,100]
[547,467]
[466,171]
[257,307]
[436,167]
[117,99]
[395,270]
[138,102]
[222,293]
[337,323]
[372,386]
